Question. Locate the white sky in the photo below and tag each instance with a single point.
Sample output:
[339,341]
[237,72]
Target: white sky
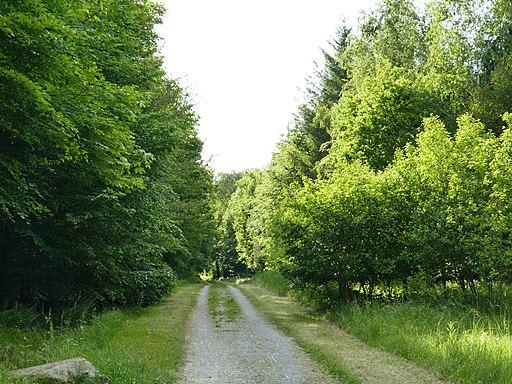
[245,63]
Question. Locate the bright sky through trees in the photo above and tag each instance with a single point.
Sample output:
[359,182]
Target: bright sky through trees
[245,63]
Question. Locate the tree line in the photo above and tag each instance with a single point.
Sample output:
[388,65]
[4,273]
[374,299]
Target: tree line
[103,194]
[397,170]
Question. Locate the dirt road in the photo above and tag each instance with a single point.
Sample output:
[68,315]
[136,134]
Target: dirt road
[230,343]
[245,349]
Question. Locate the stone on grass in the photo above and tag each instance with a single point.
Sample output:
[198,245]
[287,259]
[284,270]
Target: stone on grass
[59,372]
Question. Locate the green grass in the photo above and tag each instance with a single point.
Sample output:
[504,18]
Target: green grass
[129,346]
[221,303]
[273,281]
[461,343]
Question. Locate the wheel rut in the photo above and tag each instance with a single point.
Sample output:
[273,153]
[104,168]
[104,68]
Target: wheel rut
[245,349]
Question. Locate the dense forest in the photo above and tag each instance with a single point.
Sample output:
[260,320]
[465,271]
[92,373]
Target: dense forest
[104,199]
[386,207]
[396,177]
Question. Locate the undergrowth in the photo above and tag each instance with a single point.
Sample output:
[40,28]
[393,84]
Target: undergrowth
[128,346]
[461,343]
[273,281]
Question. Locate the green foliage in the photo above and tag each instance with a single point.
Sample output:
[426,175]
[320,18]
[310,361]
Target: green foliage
[103,196]
[226,261]
[396,172]
[392,33]
[381,114]
[246,220]
[343,231]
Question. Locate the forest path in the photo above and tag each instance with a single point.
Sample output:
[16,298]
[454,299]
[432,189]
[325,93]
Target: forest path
[227,345]
[347,357]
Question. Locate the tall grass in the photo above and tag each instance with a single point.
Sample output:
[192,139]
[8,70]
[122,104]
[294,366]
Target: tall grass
[273,281]
[461,343]
[27,346]
[129,346]
[20,316]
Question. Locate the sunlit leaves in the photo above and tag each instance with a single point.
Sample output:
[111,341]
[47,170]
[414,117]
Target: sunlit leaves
[412,179]
[378,116]
[99,157]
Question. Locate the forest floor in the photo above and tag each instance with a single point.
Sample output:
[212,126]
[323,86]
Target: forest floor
[250,335]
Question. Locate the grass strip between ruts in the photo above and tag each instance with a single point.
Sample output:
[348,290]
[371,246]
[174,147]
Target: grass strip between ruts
[221,304]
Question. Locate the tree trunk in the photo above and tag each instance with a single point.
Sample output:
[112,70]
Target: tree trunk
[343,289]
[474,293]
[217,269]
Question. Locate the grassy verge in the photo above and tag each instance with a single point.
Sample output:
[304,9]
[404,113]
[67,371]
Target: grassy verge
[344,356]
[463,344]
[272,281]
[144,346]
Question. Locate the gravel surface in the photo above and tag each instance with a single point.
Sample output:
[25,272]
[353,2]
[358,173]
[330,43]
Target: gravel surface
[338,349]
[248,350]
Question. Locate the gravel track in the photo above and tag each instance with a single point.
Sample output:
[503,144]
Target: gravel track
[247,350]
